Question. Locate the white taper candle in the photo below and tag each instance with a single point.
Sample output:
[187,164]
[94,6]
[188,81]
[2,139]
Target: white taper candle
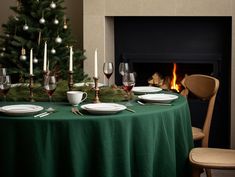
[95,65]
[45,58]
[71,59]
[31,62]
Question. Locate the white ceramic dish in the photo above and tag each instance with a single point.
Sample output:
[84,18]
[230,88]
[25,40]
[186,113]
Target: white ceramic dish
[145,89]
[158,97]
[91,84]
[21,109]
[103,108]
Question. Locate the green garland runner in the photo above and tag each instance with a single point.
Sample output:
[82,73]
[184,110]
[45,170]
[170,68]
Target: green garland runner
[107,94]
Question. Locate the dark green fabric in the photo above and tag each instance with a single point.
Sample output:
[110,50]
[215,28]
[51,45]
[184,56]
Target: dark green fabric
[153,142]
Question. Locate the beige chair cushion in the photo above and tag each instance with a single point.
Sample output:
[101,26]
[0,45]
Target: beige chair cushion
[197,133]
[213,158]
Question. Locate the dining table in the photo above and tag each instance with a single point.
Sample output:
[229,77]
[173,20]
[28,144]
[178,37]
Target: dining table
[153,140]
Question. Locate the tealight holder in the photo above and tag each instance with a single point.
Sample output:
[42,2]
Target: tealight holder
[70,80]
[31,88]
[97,90]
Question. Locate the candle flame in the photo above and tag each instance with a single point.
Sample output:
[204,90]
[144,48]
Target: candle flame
[174,86]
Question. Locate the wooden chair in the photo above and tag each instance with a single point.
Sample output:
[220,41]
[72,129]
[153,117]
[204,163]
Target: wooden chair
[211,158]
[204,87]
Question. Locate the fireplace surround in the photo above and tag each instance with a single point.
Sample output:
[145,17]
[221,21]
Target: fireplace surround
[198,45]
[99,29]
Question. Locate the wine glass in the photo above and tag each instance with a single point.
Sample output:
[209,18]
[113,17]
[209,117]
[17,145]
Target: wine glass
[108,70]
[123,68]
[50,85]
[5,85]
[128,81]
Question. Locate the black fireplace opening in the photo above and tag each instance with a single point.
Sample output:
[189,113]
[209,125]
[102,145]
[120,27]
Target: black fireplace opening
[198,45]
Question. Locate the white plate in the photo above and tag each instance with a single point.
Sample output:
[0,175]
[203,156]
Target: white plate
[145,89]
[21,109]
[103,108]
[91,84]
[158,97]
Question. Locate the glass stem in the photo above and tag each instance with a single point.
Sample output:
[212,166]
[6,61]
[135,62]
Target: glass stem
[50,98]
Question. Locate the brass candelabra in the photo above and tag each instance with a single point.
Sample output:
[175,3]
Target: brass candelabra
[96,100]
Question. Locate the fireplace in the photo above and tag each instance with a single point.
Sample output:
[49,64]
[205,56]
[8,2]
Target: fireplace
[199,45]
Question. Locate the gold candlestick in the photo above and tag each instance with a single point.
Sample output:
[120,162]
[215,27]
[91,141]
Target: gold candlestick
[70,80]
[31,88]
[96,100]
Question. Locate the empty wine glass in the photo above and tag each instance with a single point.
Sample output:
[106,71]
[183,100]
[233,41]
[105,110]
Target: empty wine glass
[5,85]
[123,68]
[108,70]
[128,81]
[50,85]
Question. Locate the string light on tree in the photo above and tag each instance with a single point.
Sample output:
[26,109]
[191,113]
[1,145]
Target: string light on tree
[58,39]
[53,5]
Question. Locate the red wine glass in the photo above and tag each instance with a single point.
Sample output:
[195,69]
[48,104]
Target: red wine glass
[50,86]
[108,70]
[128,81]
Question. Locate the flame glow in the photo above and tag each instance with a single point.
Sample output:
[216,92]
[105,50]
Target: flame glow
[174,86]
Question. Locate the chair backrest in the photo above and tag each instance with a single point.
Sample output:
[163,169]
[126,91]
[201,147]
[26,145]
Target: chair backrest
[206,88]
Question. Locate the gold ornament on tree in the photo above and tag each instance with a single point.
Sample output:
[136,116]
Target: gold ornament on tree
[56,21]
[25,27]
[42,19]
[65,23]
[53,5]
[58,39]
[23,54]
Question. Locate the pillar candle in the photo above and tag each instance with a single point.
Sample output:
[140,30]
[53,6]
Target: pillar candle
[95,65]
[31,62]
[45,58]
[71,59]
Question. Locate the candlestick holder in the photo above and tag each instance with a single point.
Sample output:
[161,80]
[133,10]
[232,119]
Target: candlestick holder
[70,80]
[31,88]
[96,100]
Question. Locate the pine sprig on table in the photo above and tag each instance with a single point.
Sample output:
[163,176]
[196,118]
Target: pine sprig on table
[107,94]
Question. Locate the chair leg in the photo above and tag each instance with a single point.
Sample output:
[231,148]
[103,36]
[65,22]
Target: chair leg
[208,172]
[196,172]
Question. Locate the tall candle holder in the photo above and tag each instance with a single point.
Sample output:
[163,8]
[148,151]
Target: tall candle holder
[31,88]
[70,80]
[96,100]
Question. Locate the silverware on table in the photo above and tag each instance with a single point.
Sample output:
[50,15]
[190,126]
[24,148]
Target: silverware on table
[160,104]
[130,110]
[76,111]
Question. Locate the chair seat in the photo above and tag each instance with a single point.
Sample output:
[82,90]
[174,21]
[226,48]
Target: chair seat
[197,133]
[213,158]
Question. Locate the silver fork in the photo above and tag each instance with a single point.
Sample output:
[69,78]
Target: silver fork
[76,111]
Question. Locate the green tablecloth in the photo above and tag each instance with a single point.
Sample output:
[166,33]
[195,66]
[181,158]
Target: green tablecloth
[153,142]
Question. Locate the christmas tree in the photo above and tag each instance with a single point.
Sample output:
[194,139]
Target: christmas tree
[36,23]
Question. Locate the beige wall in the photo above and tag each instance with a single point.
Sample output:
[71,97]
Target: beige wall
[98,27]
